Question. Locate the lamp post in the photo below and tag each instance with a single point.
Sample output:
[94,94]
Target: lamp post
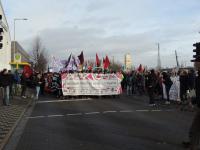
[16,19]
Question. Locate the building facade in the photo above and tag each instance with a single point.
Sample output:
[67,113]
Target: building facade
[5,51]
[128,62]
[18,49]
[19,57]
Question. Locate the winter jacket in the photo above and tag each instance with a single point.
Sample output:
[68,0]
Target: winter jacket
[184,84]
[197,87]
[5,80]
[151,81]
[167,81]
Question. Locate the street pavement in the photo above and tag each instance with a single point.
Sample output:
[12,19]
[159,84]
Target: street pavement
[125,123]
[10,116]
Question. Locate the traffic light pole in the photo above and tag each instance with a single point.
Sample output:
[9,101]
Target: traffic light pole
[196,57]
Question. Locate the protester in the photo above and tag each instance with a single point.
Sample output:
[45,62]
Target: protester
[129,84]
[150,85]
[17,85]
[174,93]
[134,82]
[191,86]
[11,79]
[38,83]
[168,83]
[194,133]
[24,79]
[5,83]
[42,86]
[197,87]
[184,87]
[140,83]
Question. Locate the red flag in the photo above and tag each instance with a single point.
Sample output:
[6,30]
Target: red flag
[106,63]
[140,69]
[27,71]
[97,60]
[81,58]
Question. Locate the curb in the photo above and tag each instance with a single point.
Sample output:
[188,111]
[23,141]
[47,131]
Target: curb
[8,135]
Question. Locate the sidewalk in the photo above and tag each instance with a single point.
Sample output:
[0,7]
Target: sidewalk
[10,116]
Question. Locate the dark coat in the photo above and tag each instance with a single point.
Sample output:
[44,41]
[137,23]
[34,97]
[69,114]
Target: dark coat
[184,85]
[5,80]
[197,87]
[24,80]
[151,81]
[38,81]
[11,78]
[191,80]
[167,81]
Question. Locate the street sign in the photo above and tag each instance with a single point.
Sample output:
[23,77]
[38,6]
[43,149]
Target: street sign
[17,58]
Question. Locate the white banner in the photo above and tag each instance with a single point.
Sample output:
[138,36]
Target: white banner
[91,84]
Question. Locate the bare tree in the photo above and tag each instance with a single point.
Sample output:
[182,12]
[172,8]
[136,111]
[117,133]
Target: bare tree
[39,55]
[115,66]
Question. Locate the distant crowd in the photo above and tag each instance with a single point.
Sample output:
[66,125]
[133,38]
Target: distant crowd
[181,86]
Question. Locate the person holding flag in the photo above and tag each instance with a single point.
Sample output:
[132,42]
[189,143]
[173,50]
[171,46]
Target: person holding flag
[27,72]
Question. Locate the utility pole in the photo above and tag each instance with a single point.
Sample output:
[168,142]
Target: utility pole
[159,61]
[177,62]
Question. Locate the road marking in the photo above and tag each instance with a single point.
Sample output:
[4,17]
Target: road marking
[156,110]
[60,101]
[36,117]
[112,111]
[76,114]
[50,116]
[104,112]
[144,110]
[126,111]
[92,113]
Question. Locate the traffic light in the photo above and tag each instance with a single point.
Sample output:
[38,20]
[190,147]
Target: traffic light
[1,34]
[197,51]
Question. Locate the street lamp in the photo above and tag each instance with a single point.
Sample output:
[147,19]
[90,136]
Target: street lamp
[16,19]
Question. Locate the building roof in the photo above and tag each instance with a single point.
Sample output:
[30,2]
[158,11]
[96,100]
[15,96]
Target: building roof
[19,48]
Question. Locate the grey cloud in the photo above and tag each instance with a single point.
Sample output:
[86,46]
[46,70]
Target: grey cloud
[97,5]
[61,42]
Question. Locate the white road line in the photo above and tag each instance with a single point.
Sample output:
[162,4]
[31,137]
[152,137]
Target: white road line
[126,111]
[36,117]
[109,111]
[156,110]
[60,101]
[104,112]
[143,110]
[92,113]
[50,116]
[76,114]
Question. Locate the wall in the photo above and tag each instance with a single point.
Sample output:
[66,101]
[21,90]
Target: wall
[5,52]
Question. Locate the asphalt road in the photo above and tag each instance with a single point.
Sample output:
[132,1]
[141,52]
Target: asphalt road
[126,123]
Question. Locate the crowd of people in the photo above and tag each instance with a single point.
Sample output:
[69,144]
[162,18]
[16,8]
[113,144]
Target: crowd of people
[181,86]
[28,85]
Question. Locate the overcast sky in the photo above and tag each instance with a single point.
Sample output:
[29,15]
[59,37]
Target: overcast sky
[112,27]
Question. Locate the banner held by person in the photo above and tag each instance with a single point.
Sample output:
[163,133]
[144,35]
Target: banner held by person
[91,84]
